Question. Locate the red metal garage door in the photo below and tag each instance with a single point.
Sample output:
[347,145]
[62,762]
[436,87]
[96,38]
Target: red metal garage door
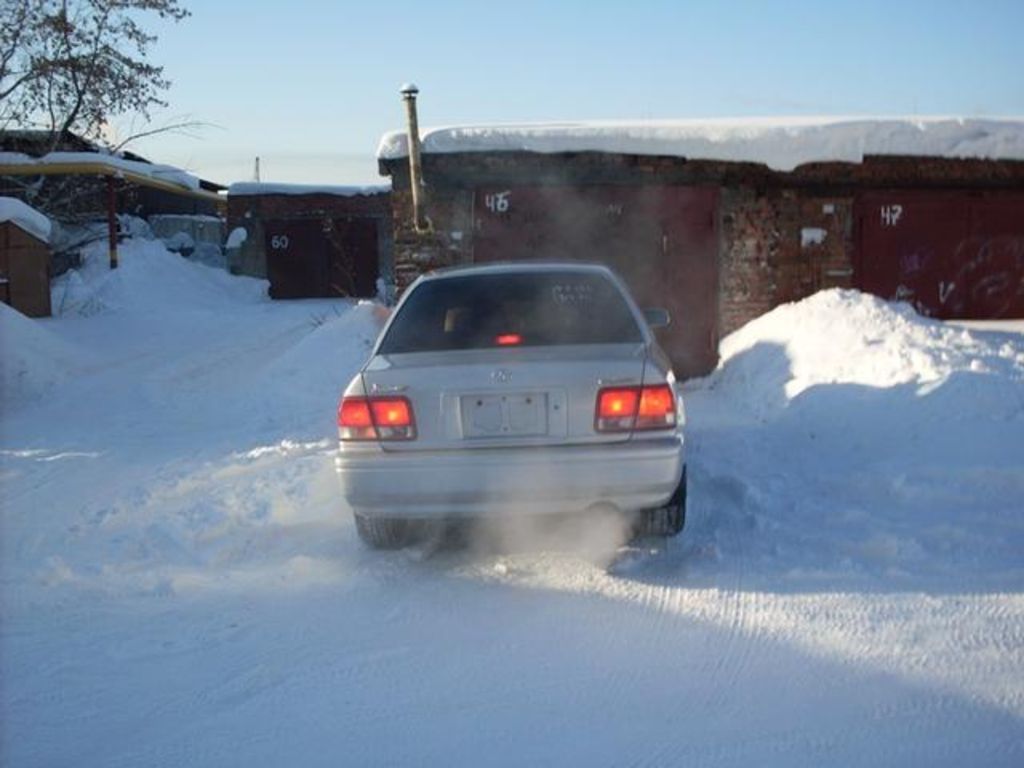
[951,254]
[661,239]
[308,258]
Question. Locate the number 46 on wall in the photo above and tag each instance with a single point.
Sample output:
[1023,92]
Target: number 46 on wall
[498,202]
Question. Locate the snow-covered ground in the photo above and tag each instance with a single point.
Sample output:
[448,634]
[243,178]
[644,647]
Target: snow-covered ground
[182,586]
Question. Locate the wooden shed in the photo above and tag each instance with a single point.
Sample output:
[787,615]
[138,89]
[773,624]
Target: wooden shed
[25,258]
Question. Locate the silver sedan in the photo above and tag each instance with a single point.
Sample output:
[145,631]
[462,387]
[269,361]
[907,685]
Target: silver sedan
[527,389]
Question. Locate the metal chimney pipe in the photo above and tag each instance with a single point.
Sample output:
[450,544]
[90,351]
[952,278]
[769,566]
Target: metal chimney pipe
[420,221]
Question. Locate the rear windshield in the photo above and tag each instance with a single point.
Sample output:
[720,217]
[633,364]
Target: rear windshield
[530,310]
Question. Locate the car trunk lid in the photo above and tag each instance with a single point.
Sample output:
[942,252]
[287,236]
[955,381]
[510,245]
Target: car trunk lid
[505,397]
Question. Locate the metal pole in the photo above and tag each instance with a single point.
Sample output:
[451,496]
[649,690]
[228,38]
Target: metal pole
[420,220]
[112,221]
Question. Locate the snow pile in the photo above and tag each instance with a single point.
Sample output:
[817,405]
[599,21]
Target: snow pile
[780,143]
[148,278]
[179,242]
[859,441]
[237,238]
[26,217]
[843,337]
[284,363]
[129,226]
[231,395]
[34,360]
[305,381]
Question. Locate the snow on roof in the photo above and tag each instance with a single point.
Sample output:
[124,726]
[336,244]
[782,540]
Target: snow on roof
[781,143]
[260,188]
[26,217]
[165,173]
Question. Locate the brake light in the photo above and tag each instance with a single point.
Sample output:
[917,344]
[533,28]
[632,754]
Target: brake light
[354,419]
[616,409]
[657,408]
[508,340]
[376,418]
[393,412]
[622,409]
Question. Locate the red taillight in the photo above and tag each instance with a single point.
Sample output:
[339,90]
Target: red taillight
[616,409]
[657,408]
[354,419]
[508,340]
[354,412]
[393,412]
[372,418]
[622,409]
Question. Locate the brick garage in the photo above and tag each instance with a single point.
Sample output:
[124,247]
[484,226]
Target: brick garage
[778,235]
[312,241]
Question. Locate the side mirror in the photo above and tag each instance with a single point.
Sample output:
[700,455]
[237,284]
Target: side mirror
[657,318]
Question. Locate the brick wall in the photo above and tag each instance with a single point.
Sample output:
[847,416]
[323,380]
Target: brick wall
[448,242]
[780,245]
[783,236]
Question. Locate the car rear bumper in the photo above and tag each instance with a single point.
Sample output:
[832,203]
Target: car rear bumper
[632,475]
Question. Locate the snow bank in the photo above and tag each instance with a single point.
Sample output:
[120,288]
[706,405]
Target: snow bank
[33,360]
[149,278]
[861,444]
[843,337]
[252,188]
[780,143]
[186,363]
[26,217]
[304,382]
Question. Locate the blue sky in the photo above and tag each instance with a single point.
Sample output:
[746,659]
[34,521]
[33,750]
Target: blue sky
[310,86]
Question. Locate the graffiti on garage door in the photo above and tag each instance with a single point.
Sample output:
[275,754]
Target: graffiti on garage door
[950,254]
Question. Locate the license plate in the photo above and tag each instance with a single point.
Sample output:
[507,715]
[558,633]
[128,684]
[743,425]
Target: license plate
[507,415]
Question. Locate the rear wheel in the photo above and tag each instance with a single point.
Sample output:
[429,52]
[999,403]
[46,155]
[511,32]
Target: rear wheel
[667,520]
[384,532]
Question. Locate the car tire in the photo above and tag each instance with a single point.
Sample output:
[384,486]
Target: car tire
[668,520]
[383,532]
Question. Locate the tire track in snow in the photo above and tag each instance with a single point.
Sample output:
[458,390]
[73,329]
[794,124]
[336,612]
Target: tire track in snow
[653,584]
[729,498]
[724,655]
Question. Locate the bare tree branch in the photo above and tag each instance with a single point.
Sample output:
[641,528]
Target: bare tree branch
[171,128]
[71,65]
